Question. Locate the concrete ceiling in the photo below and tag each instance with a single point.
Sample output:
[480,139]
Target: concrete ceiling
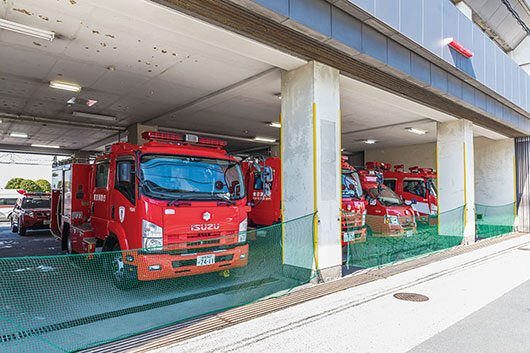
[497,17]
[145,63]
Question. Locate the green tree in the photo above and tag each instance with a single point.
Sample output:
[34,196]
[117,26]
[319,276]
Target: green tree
[44,185]
[30,186]
[14,183]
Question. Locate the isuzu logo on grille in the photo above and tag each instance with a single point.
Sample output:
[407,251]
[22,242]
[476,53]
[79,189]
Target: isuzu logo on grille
[206,216]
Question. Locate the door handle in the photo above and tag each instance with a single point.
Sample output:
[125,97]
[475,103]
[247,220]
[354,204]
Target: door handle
[93,207]
[112,212]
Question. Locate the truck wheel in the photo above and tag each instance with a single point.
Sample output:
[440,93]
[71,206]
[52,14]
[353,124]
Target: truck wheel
[14,228]
[22,231]
[117,269]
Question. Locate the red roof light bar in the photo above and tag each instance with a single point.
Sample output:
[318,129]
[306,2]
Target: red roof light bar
[192,139]
[460,48]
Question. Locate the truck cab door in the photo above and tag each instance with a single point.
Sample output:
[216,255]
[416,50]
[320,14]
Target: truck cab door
[99,205]
[123,199]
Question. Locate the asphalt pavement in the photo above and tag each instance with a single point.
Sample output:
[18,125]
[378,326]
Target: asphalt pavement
[34,243]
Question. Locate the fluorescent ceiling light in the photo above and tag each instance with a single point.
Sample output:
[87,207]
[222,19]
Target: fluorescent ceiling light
[27,30]
[19,134]
[44,146]
[94,116]
[369,141]
[416,131]
[275,124]
[65,86]
[264,139]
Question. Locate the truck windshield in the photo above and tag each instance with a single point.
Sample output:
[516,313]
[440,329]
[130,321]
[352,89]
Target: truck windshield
[351,185]
[174,177]
[36,203]
[387,197]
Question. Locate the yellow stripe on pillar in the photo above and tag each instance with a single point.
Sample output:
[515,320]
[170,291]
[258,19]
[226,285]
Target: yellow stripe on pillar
[315,203]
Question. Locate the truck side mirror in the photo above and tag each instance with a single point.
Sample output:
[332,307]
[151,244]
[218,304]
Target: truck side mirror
[372,202]
[124,172]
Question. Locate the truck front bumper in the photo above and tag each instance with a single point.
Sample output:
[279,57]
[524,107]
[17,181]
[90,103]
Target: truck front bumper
[166,265]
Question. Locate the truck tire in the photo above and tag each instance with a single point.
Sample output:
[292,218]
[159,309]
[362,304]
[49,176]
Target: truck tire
[22,231]
[117,269]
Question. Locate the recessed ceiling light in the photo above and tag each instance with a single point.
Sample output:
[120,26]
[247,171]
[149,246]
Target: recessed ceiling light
[65,86]
[278,95]
[275,124]
[94,116]
[369,141]
[44,146]
[416,131]
[264,139]
[27,30]
[19,134]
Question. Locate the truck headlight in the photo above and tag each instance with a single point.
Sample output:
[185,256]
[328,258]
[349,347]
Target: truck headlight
[392,220]
[152,236]
[242,235]
[29,214]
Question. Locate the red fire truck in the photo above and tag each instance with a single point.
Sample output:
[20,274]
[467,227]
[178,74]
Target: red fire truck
[416,188]
[267,209]
[388,215]
[353,206]
[175,206]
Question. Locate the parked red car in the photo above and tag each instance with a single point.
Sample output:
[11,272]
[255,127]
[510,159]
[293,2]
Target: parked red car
[31,211]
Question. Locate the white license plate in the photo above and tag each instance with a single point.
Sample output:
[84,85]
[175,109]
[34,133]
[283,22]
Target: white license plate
[349,236]
[204,260]
[46,222]
[409,233]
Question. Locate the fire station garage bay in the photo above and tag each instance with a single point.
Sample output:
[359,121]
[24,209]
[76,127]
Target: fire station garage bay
[354,139]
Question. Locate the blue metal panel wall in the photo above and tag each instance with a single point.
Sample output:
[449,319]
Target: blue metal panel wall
[429,23]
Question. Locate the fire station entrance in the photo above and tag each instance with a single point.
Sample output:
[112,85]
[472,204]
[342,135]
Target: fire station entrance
[325,175]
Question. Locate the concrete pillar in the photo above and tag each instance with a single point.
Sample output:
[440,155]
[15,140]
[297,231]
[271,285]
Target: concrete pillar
[135,133]
[495,176]
[311,166]
[456,181]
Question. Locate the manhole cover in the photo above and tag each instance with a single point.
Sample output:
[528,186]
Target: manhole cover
[411,297]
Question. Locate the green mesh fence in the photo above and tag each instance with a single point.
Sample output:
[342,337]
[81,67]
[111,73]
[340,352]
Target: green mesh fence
[492,221]
[390,238]
[67,303]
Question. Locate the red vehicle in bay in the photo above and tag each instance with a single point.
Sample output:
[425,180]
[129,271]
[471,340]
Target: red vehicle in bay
[416,188]
[387,214]
[31,211]
[267,209]
[174,206]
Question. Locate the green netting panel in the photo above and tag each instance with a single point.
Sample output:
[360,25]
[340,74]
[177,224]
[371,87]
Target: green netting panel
[493,221]
[66,303]
[392,239]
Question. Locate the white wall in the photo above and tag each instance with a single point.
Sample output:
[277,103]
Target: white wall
[422,155]
[494,171]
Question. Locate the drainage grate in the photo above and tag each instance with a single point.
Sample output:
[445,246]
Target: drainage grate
[411,297]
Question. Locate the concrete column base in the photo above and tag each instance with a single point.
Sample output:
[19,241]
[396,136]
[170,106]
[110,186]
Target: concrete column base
[306,275]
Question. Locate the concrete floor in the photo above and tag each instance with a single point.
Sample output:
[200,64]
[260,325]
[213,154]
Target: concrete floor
[368,318]
[35,243]
[501,326]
